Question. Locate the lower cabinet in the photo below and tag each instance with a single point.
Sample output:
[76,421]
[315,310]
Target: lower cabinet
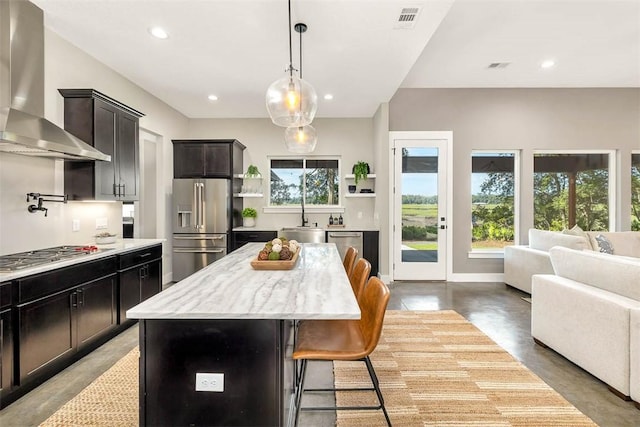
[371,249]
[241,238]
[140,281]
[56,327]
[6,341]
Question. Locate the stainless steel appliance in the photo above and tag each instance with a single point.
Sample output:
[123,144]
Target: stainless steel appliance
[202,220]
[344,239]
[21,260]
[303,234]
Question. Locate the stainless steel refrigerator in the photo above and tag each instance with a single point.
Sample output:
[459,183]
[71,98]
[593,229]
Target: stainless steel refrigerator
[202,220]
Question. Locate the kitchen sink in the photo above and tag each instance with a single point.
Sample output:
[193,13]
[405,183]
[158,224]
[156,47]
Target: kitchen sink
[304,234]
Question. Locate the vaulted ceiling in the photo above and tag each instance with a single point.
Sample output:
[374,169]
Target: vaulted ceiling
[359,51]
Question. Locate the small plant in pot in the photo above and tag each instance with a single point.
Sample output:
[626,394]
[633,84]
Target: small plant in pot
[252,172]
[249,217]
[361,170]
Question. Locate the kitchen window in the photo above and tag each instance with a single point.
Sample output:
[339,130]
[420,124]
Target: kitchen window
[312,181]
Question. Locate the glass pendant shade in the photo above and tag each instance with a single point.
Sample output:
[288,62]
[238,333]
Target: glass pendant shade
[291,101]
[301,139]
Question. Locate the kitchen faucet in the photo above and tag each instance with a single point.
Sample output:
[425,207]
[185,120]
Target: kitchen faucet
[304,221]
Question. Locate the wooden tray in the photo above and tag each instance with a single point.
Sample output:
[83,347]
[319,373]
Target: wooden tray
[275,265]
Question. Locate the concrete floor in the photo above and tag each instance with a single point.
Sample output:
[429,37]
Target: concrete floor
[496,309]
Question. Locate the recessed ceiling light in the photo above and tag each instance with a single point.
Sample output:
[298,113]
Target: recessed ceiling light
[158,33]
[328,97]
[548,63]
[212,97]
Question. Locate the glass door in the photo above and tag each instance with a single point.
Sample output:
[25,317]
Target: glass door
[420,205]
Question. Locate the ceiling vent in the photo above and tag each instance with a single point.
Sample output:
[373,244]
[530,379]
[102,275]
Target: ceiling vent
[499,65]
[408,17]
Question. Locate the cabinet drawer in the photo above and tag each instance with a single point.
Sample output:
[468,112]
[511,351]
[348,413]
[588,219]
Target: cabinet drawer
[5,294]
[39,285]
[140,256]
[241,238]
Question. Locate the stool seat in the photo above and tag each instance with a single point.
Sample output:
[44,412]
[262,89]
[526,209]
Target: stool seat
[330,340]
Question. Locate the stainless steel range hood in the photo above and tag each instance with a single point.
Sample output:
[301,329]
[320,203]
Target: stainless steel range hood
[23,128]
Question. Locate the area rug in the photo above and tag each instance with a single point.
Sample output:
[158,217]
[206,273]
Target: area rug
[437,369]
[110,400]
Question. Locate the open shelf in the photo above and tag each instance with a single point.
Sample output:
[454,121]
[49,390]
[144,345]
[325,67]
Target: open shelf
[360,195]
[352,176]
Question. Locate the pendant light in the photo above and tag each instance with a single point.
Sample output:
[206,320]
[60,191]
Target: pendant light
[300,139]
[290,100]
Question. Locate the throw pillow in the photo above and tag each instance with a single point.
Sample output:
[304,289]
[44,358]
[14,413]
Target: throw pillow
[604,245]
[576,231]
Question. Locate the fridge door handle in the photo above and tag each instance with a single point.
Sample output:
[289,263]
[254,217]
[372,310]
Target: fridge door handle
[201,205]
[198,251]
[199,237]
[196,206]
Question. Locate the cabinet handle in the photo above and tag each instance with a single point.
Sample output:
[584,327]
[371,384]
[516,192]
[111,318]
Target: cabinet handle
[124,190]
[80,297]
[145,255]
[73,299]
[114,189]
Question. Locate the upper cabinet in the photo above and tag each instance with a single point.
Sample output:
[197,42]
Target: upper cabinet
[207,158]
[112,128]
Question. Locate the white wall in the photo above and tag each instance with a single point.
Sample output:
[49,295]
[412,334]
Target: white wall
[524,119]
[66,66]
[351,139]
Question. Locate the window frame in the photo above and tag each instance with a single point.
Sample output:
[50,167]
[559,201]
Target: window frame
[613,177]
[339,208]
[633,152]
[499,253]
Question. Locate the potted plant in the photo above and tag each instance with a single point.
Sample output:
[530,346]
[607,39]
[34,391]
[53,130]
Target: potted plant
[361,170]
[252,172]
[249,217]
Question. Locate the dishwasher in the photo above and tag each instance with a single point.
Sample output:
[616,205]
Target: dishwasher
[344,239]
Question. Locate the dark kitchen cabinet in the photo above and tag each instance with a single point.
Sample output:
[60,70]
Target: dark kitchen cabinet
[140,277]
[58,317]
[112,128]
[371,249]
[241,238]
[218,158]
[6,340]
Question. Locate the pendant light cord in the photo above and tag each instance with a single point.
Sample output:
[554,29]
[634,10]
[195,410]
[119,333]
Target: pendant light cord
[300,55]
[290,48]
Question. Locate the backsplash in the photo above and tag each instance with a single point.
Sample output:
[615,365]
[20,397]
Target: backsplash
[22,231]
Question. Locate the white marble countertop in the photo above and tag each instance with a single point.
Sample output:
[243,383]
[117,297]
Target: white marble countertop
[119,247]
[316,288]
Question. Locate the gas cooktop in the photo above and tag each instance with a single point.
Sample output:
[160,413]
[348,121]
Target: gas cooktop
[19,261]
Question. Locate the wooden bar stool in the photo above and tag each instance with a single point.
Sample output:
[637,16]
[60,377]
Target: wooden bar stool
[359,276]
[344,340]
[350,259]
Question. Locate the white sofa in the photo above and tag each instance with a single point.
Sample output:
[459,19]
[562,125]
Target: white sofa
[521,262]
[589,311]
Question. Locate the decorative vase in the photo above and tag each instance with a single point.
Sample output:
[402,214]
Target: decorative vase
[352,189]
[249,221]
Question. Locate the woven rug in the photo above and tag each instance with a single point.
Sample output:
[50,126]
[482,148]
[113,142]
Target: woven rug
[110,400]
[437,369]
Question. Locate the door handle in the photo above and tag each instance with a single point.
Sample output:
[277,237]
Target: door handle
[198,251]
[343,235]
[200,237]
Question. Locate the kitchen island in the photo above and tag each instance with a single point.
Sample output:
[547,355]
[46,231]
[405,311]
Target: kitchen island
[236,323]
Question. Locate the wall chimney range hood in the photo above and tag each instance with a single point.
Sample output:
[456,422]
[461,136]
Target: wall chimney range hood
[23,128]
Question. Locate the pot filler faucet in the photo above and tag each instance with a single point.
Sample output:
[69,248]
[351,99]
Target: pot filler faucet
[41,198]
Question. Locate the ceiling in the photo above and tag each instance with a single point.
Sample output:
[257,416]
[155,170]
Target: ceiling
[353,49]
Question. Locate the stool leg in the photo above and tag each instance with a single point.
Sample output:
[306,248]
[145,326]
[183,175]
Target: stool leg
[300,389]
[376,385]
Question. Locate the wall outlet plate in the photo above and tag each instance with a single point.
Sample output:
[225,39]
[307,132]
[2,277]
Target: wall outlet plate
[75,225]
[101,223]
[209,382]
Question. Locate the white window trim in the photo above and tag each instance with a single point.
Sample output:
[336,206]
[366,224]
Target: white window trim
[613,177]
[499,253]
[339,208]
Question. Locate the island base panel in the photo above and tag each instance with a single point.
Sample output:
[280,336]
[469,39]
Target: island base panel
[253,355]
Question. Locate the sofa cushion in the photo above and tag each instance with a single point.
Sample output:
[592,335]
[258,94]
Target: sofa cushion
[544,240]
[626,243]
[608,272]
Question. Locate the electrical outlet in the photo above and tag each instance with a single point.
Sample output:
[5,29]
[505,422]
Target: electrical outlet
[75,225]
[209,382]
[101,223]
[359,215]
